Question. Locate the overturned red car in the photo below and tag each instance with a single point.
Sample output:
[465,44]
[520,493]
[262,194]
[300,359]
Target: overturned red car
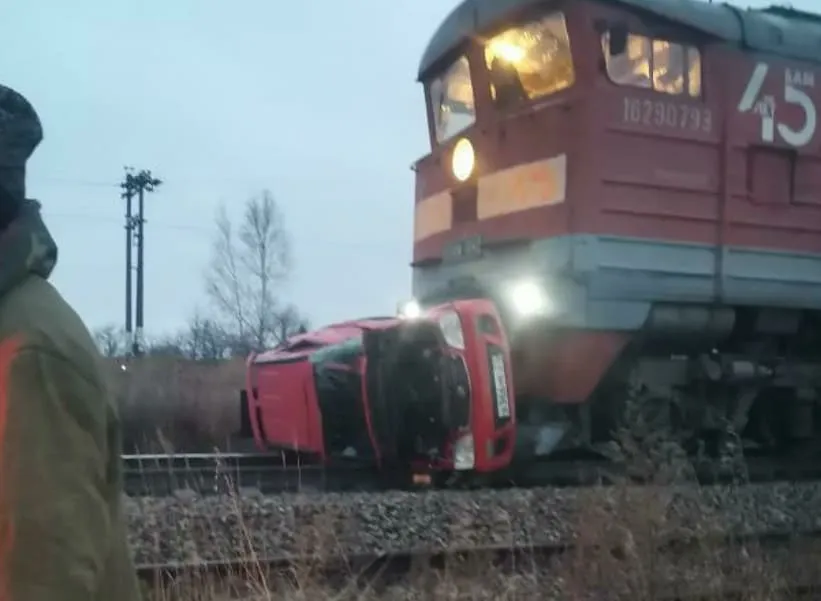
[426,394]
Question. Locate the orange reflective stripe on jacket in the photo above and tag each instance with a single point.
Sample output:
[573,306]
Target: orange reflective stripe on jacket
[8,350]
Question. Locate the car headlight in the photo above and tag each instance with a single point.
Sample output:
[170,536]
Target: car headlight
[451,327]
[409,310]
[528,298]
[464,453]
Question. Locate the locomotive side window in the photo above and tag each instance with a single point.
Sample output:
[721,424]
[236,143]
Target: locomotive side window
[451,97]
[660,65]
[668,67]
[631,67]
[530,61]
[693,72]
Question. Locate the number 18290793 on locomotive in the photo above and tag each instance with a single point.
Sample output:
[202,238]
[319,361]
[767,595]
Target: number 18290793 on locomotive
[636,185]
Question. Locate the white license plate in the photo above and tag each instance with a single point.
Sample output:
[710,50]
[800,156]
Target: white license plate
[497,363]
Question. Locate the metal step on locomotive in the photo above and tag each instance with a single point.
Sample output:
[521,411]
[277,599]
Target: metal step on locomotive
[622,200]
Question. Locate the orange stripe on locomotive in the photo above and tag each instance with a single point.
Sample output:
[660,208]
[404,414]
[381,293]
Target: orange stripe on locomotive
[506,192]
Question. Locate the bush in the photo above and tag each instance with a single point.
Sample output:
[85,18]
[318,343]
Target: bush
[171,404]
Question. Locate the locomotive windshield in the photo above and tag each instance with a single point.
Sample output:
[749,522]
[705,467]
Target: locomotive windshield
[451,97]
[530,61]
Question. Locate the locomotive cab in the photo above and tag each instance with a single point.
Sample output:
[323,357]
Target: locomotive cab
[502,110]
[500,107]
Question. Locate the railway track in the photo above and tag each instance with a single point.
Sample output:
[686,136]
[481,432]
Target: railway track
[770,566]
[158,475]
[542,524]
[163,474]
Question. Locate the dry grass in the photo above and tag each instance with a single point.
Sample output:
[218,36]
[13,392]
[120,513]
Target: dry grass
[195,404]
[590,571]
[624,558]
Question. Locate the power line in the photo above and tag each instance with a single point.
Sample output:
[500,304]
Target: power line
[74,182]
[90,217]
[211,230]
[184,181]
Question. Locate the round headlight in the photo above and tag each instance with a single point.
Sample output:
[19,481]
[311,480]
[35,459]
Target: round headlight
[463,160]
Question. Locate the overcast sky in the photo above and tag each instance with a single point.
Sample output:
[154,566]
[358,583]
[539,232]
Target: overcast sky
[315,100]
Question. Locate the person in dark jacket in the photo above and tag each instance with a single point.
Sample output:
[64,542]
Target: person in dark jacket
[62,529]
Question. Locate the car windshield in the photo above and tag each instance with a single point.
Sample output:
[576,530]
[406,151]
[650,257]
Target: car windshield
[344,353]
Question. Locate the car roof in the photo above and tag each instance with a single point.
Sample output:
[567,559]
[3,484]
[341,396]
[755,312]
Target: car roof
[301,345]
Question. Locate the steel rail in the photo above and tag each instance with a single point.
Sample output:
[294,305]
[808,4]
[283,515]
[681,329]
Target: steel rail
[208,474]
[367,568]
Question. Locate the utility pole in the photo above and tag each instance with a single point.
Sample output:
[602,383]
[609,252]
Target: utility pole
[140,183]
[129,188]
[145,183]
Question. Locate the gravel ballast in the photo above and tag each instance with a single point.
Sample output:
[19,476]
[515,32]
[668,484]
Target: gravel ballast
[187,528]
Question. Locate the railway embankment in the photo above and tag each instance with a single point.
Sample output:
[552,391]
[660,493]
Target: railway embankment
[186,527]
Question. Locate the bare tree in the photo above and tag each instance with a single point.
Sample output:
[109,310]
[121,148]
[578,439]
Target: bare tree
[205,339]
[110,340]
[165,346]
[288,322]
[249,264]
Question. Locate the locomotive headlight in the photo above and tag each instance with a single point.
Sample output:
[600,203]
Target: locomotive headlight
[464,453]
[451,327]
[409,310]
[463,160]
[528,299]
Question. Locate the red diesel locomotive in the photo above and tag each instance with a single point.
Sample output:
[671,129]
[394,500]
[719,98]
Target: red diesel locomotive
[636,185]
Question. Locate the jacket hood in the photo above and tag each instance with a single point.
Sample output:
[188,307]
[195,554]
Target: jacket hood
[20,134]
[26,248]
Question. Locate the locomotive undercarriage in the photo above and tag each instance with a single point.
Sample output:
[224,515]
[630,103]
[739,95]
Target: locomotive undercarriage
[750,384]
